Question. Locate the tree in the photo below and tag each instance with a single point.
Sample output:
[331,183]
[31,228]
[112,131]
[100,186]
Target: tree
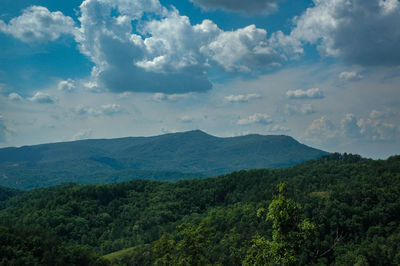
[288,233]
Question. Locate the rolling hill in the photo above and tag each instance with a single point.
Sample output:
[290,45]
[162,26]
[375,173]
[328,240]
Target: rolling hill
[165,157]
[353,202]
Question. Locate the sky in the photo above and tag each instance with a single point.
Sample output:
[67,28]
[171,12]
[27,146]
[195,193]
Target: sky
[326,72]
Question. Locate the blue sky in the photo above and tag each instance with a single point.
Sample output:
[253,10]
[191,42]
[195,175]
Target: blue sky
[326,72]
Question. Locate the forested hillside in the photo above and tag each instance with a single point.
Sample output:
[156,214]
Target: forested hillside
[353,204]
[167,157]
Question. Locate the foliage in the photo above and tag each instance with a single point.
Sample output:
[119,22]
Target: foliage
[288,233]
[354,204]
[24,247]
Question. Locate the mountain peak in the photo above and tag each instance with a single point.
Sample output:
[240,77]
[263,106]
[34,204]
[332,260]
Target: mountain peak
[102,160]
[196,132]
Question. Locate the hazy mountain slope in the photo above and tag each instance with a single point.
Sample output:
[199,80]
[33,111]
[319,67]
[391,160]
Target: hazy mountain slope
[194,152]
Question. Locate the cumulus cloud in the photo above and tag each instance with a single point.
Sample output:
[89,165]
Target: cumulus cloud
[350,128]
[257,118]
[83,134]
[378,127]
[66,85]
[139,64]
[42,97]
[242,50]
[304,109]
[38,25]
[313,93]
[321,130]
[159,50]
[15,97]
[246,7]
[164,52]
[241,98]
[350,76]
[363,32]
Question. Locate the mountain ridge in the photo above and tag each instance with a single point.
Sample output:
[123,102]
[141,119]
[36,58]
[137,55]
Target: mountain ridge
[191,152]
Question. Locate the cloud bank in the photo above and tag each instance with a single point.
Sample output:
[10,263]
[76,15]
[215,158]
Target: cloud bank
[142,46]
[363,32]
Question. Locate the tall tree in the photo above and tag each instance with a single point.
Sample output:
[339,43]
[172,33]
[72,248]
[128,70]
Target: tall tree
[289,232]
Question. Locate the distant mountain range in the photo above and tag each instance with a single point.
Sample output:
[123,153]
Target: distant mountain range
[166,157]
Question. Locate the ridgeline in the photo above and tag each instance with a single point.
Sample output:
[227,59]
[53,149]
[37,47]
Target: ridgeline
[169,157]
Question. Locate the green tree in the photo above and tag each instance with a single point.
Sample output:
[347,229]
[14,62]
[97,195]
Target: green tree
[289,232]
[192,248]
[164,250]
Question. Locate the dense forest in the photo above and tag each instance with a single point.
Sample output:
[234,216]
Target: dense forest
[337,210]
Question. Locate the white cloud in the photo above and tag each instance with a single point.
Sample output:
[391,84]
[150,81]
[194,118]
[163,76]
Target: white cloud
[165,53]
[42,97]
[246,7]
[377,127]
[241,98]
[363,32]
[350,76]
[66,85]
[174,44]
[158,50]
[377,115]
[257,118]
[186,119]
[389,6]
[15,97]
[111,109]
[321,130]
[38,25]
[161,97]
[350,128]
[313,93]
[376,130]
[104,110]
[242,50]
[303,109]
[83,134]
[151,58]
[278,129]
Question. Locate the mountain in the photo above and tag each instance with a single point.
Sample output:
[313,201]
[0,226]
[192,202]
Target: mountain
[166,157]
